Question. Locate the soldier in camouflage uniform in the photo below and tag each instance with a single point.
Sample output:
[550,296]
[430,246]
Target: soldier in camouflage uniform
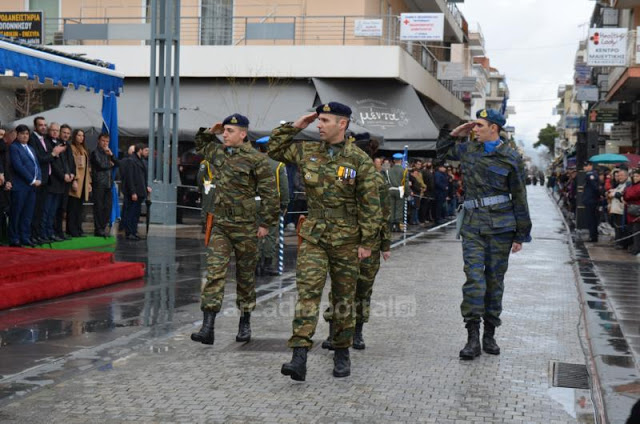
[239,174]
[207,191]
[368,267]
[495,222]
[341,228]
[267,245]
[398,190]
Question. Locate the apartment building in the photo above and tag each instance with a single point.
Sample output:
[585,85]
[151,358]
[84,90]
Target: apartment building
[274,60]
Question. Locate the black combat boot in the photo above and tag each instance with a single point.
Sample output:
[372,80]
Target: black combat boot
[328,344]
[472,348]
[244,328]
[259,269]
[489,344]
[297,368]
[341,363]
[358,340]
[205,335]
[267,269]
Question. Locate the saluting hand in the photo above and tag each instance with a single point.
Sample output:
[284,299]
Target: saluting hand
[217,128]
[463,130]
[305,120]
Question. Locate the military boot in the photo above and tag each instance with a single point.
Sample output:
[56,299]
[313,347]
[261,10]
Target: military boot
[297,368]
[244,328]
[267,269]
[472,348]
[489,344]
[328,344]
[341,363]
[358,340]
[259,269]
[205,335]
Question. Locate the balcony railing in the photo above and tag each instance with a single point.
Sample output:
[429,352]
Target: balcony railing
[266,30]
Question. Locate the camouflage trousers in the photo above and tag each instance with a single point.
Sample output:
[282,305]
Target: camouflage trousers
[486,258]
[241,240]
[314,261]
[364,288]
[397,207]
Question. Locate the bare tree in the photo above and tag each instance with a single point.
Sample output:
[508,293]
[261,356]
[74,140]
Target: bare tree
[28,100]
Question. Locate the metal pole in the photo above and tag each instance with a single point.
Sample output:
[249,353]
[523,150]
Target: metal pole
[281,246]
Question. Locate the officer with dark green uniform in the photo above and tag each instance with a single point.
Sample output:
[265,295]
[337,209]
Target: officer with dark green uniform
[495,222]
[267,245]
[239,174]
[207,191]
[340,230]
[368,267]
[398,189]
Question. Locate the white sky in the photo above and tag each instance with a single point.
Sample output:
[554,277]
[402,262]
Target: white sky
[532,42]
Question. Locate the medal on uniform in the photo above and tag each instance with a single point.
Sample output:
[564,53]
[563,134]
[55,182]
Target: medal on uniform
[340,172]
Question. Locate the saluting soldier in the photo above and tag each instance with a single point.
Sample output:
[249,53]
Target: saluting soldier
[239,174]
[496,222]
[340,230]
[267,245]
[368,267]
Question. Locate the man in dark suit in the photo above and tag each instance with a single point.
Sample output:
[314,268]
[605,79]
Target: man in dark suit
[25,179]
[102,163]
[55,186]
[69,161]
[134,190]
[45,154]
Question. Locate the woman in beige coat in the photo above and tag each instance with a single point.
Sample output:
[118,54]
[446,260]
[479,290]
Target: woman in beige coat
[81,186]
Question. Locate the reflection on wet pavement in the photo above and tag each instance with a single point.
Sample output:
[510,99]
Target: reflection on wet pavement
[175,269]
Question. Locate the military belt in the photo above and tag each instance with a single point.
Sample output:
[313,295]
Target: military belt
[486,201]
[330,213]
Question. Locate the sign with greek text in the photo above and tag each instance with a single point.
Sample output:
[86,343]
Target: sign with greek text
[450,71]
[422,26]
[22,26]
[378,114]
[368,28]
[607,47]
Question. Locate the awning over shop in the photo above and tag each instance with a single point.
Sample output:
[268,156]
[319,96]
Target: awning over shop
[43,64]
[388,106]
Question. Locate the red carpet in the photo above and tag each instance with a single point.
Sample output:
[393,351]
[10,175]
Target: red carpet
[29,275]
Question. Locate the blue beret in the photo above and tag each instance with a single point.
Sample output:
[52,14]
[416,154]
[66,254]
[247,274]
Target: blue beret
[334,108]
[263,140]
[492,116]
[237,120]
[398,156]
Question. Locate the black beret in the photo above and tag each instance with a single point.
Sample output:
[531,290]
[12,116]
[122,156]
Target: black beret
[334,108]
[237,120]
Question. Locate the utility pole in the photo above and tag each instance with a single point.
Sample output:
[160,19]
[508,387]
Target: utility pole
[164,85]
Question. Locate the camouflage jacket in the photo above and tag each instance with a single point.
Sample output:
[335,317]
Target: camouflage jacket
[280,173]
[342,195]
[385,203]
[239,177]
[500,172]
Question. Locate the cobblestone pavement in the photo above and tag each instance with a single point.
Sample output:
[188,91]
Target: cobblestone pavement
[409,372]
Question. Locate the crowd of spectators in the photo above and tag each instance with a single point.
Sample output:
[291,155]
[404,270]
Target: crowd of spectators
[618,202]
[47,174]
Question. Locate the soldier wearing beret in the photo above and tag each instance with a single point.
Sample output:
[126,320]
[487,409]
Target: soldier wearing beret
[398,189]
[341,228]
[239,174]
[495,222]
[368,267]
